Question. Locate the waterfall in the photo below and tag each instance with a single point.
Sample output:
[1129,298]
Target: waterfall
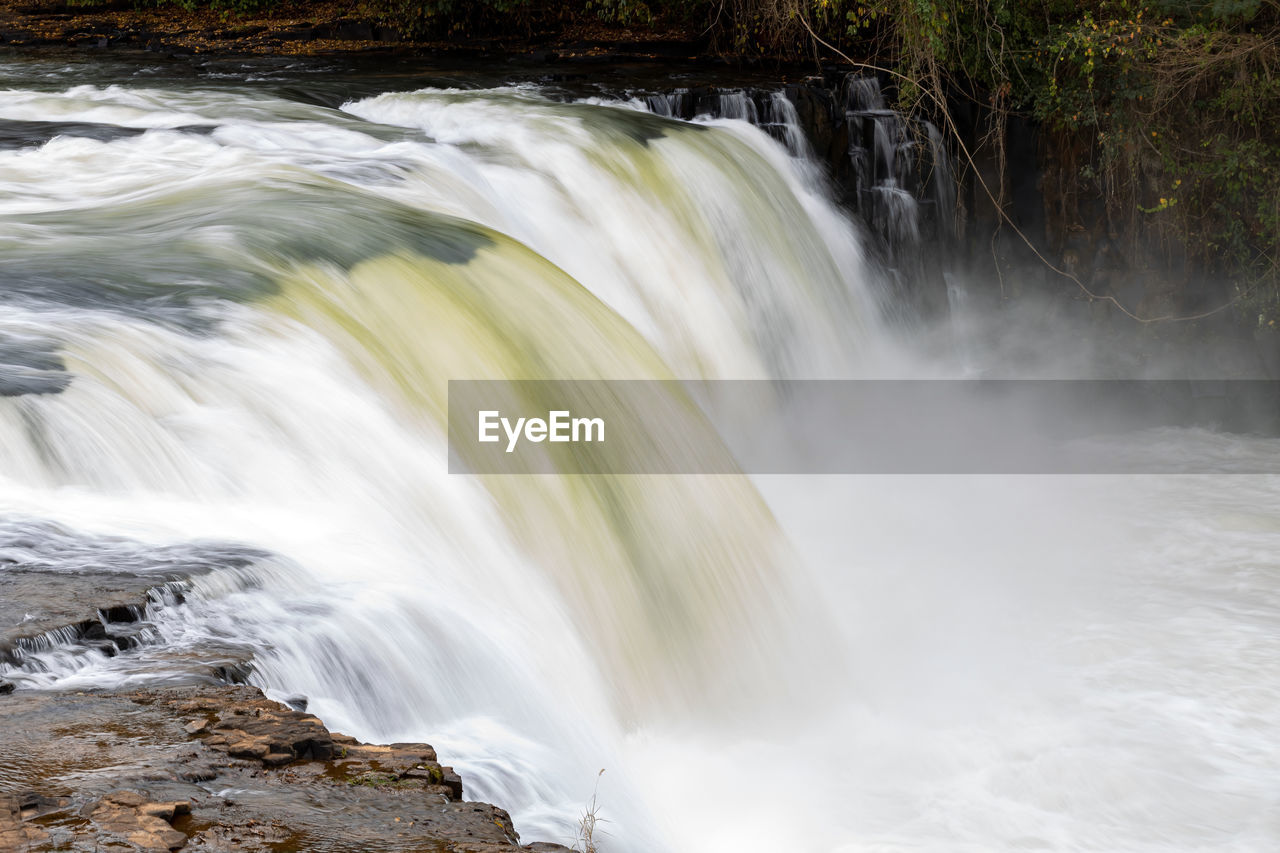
[257,305]
[228,320]
[896,169]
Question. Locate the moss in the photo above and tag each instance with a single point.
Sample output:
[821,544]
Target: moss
[379,779]
[374,780]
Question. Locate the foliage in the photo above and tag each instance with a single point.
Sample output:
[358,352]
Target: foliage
[1175,102]
[233,7]
[427,18]
[452,17]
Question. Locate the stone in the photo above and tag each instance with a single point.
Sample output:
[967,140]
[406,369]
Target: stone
[249,749]
[12,835]
[197,773]
[302,803]
[125,798]
[143,823]
[166,811]
[254,732]
[296,702]
[453,782]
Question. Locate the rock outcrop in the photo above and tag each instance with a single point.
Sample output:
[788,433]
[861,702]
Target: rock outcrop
[131,817]
[223,768]
[196,763]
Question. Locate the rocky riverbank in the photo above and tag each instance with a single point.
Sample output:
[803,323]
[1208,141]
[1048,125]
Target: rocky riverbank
[222,768]
[194,762]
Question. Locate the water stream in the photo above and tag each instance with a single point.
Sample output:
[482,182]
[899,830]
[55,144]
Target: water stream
[250,291]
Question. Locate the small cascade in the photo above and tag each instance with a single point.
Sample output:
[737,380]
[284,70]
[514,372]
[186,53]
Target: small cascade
[771,110]
[782,122]
[863,94]
[51,655]
[904,184]
[708,102]
[892,170]
[739,105]
[903,188]
[943,184]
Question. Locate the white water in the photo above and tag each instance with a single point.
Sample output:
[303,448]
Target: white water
[843,664]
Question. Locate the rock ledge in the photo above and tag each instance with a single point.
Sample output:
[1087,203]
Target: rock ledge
[222,768]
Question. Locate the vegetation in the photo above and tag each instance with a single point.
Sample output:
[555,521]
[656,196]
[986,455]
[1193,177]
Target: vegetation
[588,823]
[1170,105]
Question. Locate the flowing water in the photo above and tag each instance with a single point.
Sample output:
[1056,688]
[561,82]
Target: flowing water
[242,295]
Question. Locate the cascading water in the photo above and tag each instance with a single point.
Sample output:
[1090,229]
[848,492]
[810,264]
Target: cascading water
[903,187]
[259,303]
[247,308]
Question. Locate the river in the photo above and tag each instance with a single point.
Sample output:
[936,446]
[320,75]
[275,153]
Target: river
[241,291]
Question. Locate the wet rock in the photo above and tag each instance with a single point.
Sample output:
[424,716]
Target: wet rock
[34,804]
[239,32]
[298,33]
[137,771]
[246,748]
[140,770]
[143,823]
[398,764]
[52,605]
[255,732]
[245,725]
[12,835]
[18,133]
[17,832]
[49,594]
[196,727]
[122,613]
[196,772]
[166,811]
[234,673]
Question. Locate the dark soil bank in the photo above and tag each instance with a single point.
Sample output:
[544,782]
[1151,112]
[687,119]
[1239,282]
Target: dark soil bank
[315,28]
